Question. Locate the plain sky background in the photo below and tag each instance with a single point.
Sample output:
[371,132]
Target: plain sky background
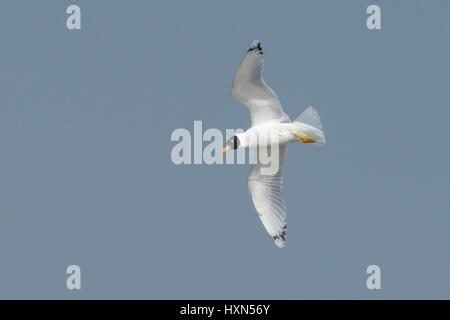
[86,176]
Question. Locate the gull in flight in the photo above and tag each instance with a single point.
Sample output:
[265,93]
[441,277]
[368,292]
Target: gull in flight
[267,117]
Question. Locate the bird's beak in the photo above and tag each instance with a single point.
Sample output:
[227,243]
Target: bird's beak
[225,149]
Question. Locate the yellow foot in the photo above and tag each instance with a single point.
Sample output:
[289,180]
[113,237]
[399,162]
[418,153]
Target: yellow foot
[305,139]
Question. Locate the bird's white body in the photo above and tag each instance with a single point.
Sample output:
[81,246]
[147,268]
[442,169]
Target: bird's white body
[270,127]
[284,132]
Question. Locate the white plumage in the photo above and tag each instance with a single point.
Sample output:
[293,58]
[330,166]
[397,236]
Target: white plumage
[249,88]
[268,119]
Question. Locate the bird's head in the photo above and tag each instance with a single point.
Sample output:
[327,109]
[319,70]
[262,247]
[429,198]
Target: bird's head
[232,143]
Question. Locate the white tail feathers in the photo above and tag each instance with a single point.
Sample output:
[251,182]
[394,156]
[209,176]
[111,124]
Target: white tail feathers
[310,116]
[310,125]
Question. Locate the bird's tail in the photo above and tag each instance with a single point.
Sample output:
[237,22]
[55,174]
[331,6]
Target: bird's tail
[309,125]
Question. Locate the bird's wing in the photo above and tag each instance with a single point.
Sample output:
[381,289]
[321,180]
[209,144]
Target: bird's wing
[249,88]
[266,191]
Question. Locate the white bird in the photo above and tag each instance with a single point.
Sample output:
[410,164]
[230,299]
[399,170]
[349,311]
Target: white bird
[268,118]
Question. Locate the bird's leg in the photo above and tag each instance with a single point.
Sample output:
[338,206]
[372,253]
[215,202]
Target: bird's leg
[305,139]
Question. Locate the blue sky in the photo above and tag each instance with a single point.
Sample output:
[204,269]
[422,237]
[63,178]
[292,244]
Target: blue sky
[86,177]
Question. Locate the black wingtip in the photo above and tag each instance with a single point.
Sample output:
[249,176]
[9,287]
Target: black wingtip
[256,47]
[281,237]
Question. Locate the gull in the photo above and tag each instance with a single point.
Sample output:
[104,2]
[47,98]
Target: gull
[268,118]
